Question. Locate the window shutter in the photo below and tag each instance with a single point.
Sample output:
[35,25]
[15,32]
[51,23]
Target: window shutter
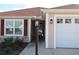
[25,27]
[2,27]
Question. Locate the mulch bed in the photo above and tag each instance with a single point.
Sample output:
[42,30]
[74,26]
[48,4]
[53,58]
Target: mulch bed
[14,51]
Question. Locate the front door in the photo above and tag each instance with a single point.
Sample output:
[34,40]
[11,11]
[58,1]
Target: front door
[41,28]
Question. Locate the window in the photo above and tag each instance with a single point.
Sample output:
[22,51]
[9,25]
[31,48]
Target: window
[18,27]
[59,20]
[67,20]
[76,20]
[14,27]
[9,27]
[9,30]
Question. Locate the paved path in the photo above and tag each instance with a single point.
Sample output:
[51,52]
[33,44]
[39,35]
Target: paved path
[30,50]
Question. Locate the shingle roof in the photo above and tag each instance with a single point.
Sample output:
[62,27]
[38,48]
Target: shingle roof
[36,11]
[70,6]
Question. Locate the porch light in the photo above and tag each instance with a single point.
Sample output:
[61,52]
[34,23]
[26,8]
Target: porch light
[51,21]
[37,36]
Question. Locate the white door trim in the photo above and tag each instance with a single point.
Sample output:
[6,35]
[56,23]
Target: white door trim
[54,31]
[29,29]
[46,31]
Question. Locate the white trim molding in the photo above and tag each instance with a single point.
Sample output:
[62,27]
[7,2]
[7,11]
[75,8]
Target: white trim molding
[54,32]
[29,29]
[46,31]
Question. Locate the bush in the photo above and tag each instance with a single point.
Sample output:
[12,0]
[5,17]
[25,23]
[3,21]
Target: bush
[7,44]
[18,42]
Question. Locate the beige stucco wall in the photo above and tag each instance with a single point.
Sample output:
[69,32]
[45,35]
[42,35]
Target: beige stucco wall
[50,40]
[61,11]
[51,27]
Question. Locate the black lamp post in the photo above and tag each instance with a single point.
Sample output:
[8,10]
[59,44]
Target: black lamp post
[37,36]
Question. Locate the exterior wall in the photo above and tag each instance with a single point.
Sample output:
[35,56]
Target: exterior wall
[49,31]
[51,28]
[26,37]
[62,11]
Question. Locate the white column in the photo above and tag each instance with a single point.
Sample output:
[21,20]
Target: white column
[55,21]
[46,31]
[29,30]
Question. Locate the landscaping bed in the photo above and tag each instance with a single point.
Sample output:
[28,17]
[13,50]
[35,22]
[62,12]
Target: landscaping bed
[8,47]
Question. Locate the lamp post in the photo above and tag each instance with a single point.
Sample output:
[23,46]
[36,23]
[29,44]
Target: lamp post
[37,36]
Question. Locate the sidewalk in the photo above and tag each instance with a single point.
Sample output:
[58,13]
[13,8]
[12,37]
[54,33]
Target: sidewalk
[30,50]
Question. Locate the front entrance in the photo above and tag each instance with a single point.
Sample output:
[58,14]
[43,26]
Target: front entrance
[41,28]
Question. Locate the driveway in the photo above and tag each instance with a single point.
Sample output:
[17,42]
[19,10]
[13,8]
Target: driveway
[30,50]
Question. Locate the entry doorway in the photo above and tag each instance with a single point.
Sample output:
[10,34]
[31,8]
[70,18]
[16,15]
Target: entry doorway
[33,32]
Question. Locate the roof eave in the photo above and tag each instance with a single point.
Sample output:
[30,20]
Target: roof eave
[24,17]
[60,10]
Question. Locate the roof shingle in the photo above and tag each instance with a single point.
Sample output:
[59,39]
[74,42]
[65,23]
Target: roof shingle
[24,12]
[70,6]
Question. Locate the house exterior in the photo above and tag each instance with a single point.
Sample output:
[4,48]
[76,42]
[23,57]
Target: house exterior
[62,27]
[17,23]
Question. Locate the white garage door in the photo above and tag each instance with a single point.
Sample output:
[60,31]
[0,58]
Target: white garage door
[67,32]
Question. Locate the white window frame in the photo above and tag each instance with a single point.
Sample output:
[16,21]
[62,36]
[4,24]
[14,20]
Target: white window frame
[13,27]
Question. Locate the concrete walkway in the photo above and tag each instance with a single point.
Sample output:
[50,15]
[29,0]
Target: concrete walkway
[30,50]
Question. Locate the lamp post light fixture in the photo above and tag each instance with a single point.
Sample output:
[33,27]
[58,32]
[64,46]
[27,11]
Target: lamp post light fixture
[37,36]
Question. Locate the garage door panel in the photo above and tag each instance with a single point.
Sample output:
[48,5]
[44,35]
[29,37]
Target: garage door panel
[67,35]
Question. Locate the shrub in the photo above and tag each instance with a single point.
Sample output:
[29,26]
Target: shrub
[18,42]
[7,44]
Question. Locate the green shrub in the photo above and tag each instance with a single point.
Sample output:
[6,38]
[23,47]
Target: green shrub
[18,42]
[7,44]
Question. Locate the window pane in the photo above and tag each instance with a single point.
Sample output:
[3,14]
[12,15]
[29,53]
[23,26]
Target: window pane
[18,30]
[59,20]
[67,20]
[9,24]
[9,30]
[18,24]
[76,20]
